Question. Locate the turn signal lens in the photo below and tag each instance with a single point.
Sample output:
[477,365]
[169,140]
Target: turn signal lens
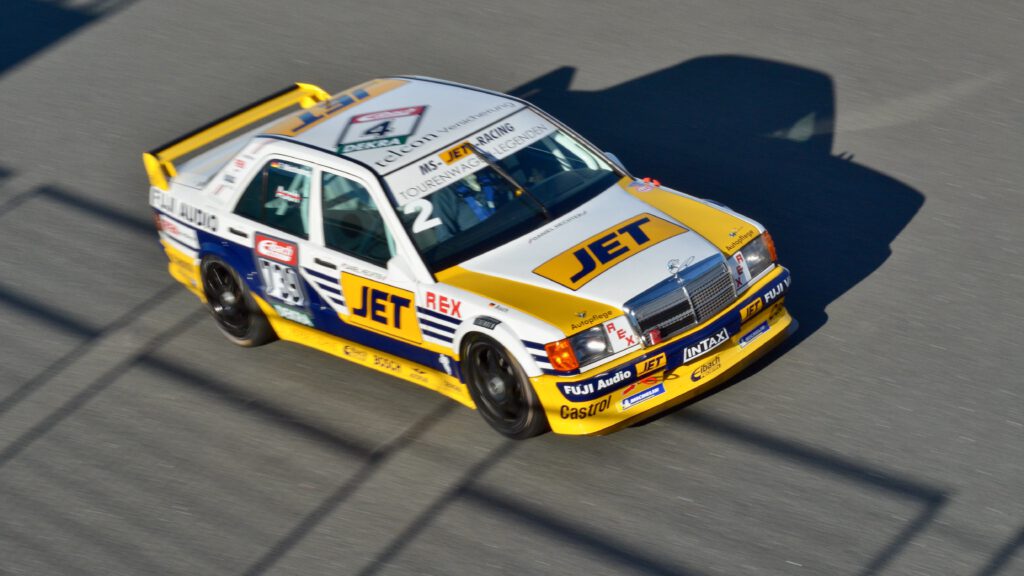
[561,355]
[770,244]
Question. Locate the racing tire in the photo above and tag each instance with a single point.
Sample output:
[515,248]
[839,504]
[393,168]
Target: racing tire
[501,390]
[232,307]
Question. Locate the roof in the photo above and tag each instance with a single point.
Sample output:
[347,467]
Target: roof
[388,122]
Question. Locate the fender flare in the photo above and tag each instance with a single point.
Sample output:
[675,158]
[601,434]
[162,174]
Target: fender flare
[504,335]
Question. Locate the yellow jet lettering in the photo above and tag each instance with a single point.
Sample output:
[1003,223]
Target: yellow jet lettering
[751,309]
[650,364]
[457,153]
[375,304]
[588,260]
[381,307]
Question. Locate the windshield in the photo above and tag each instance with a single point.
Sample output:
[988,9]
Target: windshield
[493,187]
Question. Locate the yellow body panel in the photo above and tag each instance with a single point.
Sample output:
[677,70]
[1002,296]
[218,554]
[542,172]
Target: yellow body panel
[727,232]
[606,414]
[565,416]
[560,310]
[184,269]
[381,307]
[294,125]
[370,357]
[599,416]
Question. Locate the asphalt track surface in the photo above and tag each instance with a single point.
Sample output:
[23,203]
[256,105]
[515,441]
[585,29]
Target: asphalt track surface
[880,142]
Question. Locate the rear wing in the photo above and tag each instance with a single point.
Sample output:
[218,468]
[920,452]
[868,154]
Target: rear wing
[159,161]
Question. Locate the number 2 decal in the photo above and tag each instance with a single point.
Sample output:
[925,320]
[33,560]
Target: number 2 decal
[423,220]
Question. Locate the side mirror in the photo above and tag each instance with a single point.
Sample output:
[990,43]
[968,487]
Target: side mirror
[615,160]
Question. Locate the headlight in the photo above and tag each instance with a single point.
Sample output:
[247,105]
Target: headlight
[581,349]
[590,345]
[757,255]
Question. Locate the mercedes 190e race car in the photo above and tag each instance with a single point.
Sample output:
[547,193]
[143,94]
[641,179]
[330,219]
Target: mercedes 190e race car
[468,242]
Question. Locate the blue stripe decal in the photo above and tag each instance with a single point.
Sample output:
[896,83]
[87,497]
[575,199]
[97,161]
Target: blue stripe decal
[541,358]
[534,345]
[329,288]
[441,337]
[320,275]
[337,301]
[439,316]
[240,258]
[448,329]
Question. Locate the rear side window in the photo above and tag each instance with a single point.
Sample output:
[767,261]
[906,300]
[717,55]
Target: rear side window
[278,196]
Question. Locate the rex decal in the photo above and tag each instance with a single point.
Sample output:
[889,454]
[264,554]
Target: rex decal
[589,259]
[381,307]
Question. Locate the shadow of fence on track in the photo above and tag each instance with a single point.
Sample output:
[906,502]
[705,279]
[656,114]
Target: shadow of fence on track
[931,499]
[55,318]
[92,208]
[1003,556]
[468,491]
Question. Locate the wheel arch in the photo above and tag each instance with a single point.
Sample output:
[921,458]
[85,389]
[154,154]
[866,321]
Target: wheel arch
[210,248]
[501,333]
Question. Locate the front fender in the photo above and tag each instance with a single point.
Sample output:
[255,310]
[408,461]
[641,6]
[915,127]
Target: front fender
[503,334]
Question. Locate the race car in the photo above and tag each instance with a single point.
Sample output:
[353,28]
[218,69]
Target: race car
[466,241]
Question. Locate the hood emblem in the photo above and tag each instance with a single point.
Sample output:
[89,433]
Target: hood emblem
[676,265]
[582,314]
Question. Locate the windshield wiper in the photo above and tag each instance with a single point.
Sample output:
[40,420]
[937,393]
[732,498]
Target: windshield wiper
[520,190]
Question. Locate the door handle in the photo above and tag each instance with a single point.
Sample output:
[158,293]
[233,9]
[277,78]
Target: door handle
[237,232]
[325,263]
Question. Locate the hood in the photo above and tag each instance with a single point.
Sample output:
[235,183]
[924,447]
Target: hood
[587,264]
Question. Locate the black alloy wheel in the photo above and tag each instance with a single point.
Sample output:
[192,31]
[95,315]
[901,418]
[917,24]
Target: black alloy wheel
[502,392]
[232,307]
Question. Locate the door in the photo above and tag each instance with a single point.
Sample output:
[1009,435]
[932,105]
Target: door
[273,214]
[350,269]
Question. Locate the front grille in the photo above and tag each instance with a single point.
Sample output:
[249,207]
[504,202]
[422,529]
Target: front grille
[684,300]
[670,312]
[711,292]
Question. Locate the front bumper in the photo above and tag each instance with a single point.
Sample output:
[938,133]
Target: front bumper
[674,371]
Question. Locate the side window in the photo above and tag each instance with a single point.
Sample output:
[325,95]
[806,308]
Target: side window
[279,197]
[352,223]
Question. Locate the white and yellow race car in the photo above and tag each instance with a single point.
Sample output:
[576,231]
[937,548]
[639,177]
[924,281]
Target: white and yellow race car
[466,241]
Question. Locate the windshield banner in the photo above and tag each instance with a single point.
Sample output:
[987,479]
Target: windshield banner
[456,161]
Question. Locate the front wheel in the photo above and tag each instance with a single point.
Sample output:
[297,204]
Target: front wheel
[236,313]
[501,390]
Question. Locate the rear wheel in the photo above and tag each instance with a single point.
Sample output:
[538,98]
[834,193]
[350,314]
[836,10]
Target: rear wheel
[501,390]
[231,305]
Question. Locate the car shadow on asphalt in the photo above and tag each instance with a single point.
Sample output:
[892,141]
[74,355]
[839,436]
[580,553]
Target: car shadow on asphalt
[757,136]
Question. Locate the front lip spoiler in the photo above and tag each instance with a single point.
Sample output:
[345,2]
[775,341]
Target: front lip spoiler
[626,373]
